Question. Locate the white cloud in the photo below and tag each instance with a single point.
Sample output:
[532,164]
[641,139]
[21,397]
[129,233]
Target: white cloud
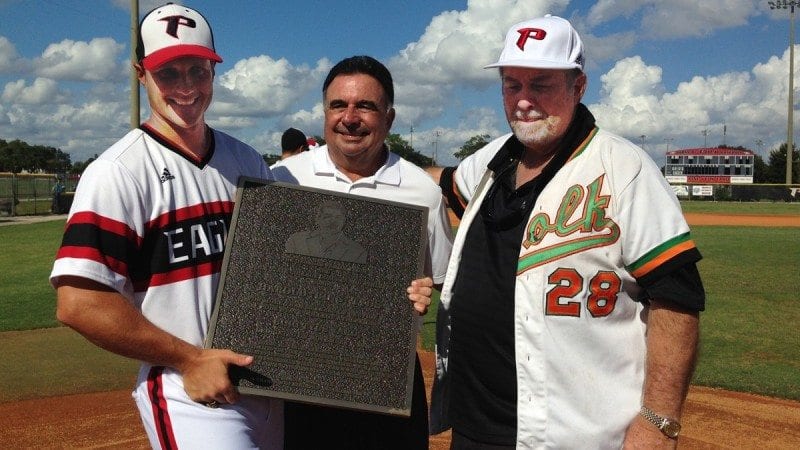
[10,61]
[74,95]
[96,60]
[633,103]
[262,86]
[43,111]
[452,52]
[607,48]
[95,115]
[606,10]
[41,91]
[679,19]
[5,120]
[675,19]
[311,122]
[472,122]
[457,44]
[418,102]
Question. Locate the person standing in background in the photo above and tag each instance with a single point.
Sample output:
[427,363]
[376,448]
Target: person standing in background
[293,141]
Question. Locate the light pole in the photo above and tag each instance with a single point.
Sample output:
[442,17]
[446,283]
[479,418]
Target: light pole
[436,133]
[134,80]
[724,134]
[784,4]
[705,138]
[668,140]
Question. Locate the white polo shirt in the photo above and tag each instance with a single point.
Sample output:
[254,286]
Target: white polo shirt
[397,180]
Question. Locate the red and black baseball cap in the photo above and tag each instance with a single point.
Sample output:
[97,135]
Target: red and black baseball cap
[173,31]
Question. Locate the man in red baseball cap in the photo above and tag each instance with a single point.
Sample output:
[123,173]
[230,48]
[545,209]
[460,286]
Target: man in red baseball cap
[141,255]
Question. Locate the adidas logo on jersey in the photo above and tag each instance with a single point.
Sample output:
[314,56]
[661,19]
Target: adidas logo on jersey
[165,175]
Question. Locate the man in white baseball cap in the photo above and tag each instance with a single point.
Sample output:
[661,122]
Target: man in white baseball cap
[569,314]
[140,259]
[548,42]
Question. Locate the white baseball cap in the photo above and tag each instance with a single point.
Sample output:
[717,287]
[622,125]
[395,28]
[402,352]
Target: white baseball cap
[547,42]
[172,31]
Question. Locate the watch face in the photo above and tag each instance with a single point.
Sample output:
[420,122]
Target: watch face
[671,428]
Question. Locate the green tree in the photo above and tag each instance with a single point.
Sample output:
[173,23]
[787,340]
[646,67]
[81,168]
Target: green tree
[17,156]
[777,165]
[472,145]
[57,161]
[14,157]
[400,146]
[80,166]
[760,170]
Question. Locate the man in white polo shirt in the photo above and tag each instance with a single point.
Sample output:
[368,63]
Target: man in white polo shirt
[358,94]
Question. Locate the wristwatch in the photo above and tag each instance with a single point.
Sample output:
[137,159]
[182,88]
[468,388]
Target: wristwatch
[670,427]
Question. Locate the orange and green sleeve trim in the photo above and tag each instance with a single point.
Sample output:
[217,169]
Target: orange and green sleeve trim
[661,254]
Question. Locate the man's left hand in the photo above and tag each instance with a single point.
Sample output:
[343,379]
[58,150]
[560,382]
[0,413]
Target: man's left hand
[419,293]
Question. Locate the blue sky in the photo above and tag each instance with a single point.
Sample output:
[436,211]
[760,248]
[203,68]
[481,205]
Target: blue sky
[676,72]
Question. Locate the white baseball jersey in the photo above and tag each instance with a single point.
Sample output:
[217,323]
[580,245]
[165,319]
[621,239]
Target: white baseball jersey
[606,218]
[151,223]
[397,180]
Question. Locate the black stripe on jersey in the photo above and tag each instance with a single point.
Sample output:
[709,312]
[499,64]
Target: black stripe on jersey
[91,236]
[180,245]
[690,256]
[676,281]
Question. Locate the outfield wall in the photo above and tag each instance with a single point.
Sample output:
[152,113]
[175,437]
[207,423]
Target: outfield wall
[738,192]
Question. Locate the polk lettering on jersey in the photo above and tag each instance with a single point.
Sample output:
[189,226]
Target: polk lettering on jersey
[592,229]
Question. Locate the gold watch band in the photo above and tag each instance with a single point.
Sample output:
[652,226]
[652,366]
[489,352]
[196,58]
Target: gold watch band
[670,427]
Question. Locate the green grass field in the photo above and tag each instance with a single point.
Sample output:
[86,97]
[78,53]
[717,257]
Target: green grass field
[748,330]
[754,208]
[26,298]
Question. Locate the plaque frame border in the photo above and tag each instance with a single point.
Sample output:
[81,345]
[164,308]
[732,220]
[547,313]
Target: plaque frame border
[242,184]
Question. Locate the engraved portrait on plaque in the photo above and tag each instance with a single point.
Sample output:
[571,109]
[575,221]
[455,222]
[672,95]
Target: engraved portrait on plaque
[327,238]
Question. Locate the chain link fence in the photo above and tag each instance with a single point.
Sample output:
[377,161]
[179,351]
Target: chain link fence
[36,194]
[41,194]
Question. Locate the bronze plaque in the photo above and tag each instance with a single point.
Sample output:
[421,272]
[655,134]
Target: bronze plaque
[313,285]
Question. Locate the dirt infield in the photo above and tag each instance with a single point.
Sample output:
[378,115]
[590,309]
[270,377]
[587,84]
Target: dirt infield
[713,418]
